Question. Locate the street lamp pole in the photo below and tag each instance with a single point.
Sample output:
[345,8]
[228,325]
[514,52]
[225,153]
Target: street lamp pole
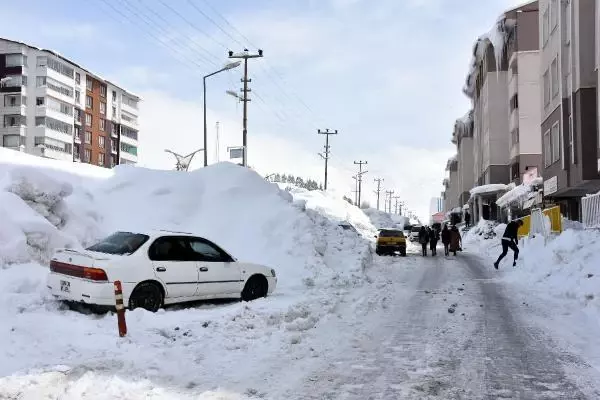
[225,68]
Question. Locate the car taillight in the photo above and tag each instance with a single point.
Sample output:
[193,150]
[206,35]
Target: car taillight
[94,274]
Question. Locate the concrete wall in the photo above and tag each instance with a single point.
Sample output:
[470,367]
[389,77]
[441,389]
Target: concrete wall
[466,163]
[530,114]
[495,130]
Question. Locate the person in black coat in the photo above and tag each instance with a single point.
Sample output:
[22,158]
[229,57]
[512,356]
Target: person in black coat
[434,236]
[467,219]
[509,241]
[423,239]
[446,239]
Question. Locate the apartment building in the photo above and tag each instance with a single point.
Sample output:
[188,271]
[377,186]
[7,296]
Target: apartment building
[570,104]
[499,139]
[54,108]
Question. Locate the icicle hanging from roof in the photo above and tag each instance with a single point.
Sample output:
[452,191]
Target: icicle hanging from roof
[498,38]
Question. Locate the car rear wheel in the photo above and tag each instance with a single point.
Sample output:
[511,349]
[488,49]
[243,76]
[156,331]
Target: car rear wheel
[146,295]
[256,287]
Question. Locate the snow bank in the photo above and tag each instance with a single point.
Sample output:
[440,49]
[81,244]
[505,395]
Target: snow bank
[382,219]
[297,232]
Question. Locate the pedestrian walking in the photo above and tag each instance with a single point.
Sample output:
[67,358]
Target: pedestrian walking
[455,239]
[467,219]
[509,241]
[423,239]
[434,237]
[446,239]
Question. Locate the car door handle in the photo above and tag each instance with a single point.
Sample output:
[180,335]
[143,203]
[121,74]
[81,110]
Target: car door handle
[161,269]
[203,269]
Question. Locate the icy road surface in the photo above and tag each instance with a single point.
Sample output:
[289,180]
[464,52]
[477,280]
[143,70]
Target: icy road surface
[447,330]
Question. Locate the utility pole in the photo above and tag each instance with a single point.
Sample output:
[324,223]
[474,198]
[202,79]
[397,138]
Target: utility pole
[389,193]
[397,198]
[359,175]
[245,55]
[325,154]
[217,148]
[378,191]
[355,189]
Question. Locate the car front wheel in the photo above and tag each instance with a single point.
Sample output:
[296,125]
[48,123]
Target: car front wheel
[256,287]
[146,295]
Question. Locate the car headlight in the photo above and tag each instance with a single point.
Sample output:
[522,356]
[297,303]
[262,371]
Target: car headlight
[273,272]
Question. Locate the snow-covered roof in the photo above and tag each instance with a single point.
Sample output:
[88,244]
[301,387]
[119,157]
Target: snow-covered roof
[489,189]
[463,127]
[519,194]
[497,37]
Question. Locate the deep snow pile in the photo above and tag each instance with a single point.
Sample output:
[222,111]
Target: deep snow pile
[381,219]
[563,266]
[317,263]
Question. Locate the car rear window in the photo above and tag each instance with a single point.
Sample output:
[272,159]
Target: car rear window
[120,243]
[415,229]
[390,233]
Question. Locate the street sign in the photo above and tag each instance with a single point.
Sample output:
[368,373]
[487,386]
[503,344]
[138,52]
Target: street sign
[236,152]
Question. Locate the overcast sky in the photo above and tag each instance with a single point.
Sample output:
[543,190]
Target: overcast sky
[387,74]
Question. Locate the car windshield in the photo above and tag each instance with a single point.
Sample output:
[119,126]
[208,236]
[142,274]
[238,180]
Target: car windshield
[391,233]
[120,243]
[415,229]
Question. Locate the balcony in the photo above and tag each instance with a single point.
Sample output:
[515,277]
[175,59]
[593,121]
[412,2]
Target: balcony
[114,150]
[13,130]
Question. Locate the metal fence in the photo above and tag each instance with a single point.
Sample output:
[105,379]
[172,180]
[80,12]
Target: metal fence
[590,210]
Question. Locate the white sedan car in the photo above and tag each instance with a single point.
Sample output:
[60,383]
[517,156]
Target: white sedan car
[155,268]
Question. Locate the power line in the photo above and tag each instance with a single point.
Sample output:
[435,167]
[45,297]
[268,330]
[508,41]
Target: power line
[389,194]
[192,25]
[195,7]
[206,55]
[152,35]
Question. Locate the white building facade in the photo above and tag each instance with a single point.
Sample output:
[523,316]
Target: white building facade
[51,107]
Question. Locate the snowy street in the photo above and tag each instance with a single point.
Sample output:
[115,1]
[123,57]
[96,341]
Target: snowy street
[415,348]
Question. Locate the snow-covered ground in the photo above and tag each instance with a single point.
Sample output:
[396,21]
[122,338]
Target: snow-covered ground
[50,349]
[560,276]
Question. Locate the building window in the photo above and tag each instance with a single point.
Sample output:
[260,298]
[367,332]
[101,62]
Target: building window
[547,149]
[15,60]
[115,130]
[59,106]
[113,145]
[77,96]
[113,161]
[553,15]
[127,148]
[114,112]
[89,83]
[59,67]
[546,88]
[554,77]
[88,101]
[88,119]
[545,26]
[101,140]
[555,142]
[572,140]
[101,159]
[11,121]
[54,85]
[16,81]
[102,108]
[102,124]
[103,91]
[13,140]
[87,155]
[77,131]
[114,95]
[14,100]
[53,144]
[131,102]
[55,125]
[39,101]
[77,78]
[88,137]
[130,133]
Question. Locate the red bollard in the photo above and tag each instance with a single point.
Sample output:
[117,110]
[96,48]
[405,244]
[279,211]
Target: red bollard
[120,309]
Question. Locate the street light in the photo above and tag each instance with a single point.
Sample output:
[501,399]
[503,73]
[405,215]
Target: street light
[225,68]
